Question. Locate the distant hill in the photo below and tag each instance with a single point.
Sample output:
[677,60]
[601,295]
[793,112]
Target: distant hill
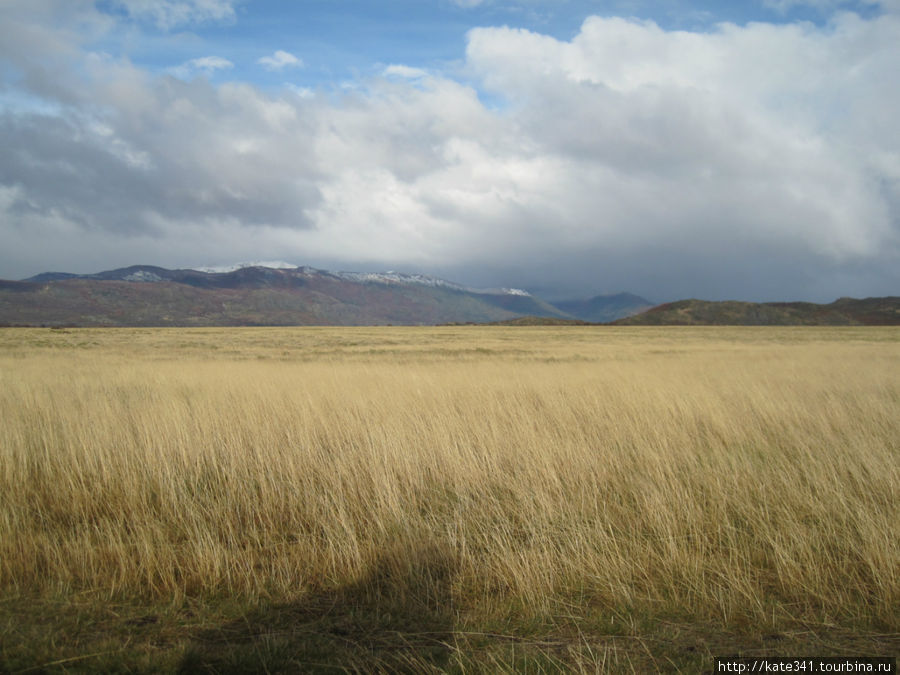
[842,312]
[604,308]
[540,321]
[144,295]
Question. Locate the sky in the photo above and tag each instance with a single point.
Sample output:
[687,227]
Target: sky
[674,149]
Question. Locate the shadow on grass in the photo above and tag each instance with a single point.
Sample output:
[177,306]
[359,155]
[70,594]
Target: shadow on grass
[398,618]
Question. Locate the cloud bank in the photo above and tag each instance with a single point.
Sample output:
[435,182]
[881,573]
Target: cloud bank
[756,162]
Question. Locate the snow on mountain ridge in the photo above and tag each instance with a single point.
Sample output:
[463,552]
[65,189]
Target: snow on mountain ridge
[389,277]
[224,269]
[142,275]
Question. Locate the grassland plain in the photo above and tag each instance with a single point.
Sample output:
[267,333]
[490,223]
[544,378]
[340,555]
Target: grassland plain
[465,499]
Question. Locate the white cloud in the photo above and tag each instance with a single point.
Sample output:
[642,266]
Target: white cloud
[301,92]
[168,14]
[205,64]
[753,113]
[209,63]
[405,72]
[280,60]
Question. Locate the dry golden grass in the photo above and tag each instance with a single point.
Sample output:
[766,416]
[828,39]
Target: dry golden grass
[742,476]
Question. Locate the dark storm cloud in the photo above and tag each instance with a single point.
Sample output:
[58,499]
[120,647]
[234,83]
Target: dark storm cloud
[182,151]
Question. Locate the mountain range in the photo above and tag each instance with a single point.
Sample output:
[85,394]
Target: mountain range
[280,294]
[273,294]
